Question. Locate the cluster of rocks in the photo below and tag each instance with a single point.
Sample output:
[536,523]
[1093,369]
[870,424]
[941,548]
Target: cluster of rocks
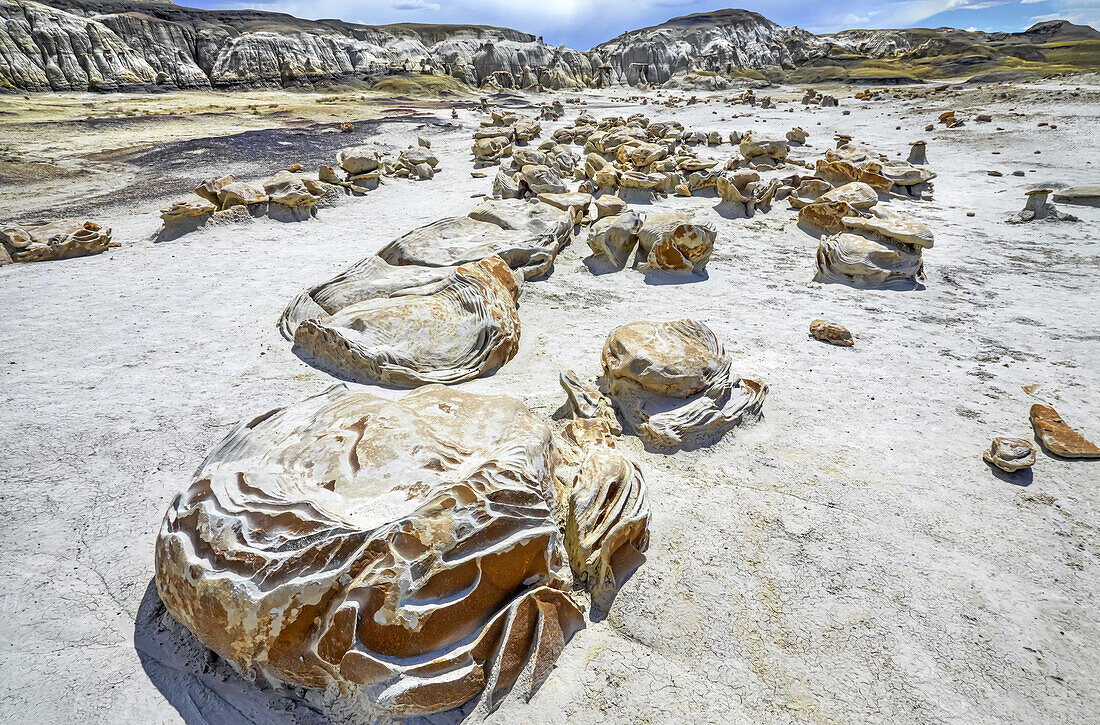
[436,305]
[361,168]
[286,195]
[500,134]
[811,97]
[1053,433]
[44,241]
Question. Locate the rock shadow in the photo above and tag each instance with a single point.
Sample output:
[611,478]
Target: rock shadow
[1022,478]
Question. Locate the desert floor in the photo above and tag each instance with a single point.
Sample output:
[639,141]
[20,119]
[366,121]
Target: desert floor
[850,558]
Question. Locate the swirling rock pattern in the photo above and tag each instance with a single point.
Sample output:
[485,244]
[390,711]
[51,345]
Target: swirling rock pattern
[464,328]
[526,236]
[389,549]
[44,241]
[672,381]
[862,262]
[607,521]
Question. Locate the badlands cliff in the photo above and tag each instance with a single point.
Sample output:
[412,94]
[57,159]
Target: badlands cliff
[109,45]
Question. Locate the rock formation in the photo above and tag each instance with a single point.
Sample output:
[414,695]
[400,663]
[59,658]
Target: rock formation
[465,327]
[385,548]
[1010,454]
[607,517]
[1038,208]
[672,241]
[1057,437]
[673,381]
[112,45]
[831,333]
[44,241]
[526,236]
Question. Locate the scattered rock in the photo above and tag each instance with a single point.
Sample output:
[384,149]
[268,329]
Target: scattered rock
[831,333]
[1056,435]
[1010,454]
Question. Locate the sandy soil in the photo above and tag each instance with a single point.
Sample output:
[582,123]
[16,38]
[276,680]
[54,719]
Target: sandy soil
[848,559]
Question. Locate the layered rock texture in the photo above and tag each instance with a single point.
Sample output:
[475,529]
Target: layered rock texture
[385,548]
[111,45]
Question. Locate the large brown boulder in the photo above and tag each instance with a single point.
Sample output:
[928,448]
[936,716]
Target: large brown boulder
[386,549]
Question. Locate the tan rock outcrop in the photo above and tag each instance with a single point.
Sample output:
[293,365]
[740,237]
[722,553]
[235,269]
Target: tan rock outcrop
[467,326]
[45,241]
[672,381]
[387,549]
[674,241]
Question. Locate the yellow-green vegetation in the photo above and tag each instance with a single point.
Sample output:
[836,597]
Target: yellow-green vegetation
[420,84]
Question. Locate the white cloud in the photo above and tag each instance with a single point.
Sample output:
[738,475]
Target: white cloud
[415,5]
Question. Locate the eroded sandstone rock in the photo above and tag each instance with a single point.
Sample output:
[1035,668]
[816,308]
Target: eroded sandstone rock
[467,326]
[672,381]
[388,549]
[1010,454]
[831,333]
[615,237]
[674,241]
[859,261]
[1057,437]
[45,241]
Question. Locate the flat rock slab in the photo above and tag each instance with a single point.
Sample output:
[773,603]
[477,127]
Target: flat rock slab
[1057,437]
[1080,195]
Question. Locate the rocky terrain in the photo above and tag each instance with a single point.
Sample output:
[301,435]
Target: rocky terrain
[782,398]
[106,45]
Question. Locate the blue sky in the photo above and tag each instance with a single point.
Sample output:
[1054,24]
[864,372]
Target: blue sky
[581,24]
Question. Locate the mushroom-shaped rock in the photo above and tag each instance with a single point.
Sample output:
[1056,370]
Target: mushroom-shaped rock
[1057,436]
[672,380]
[615,237]
[387,549]
[464,328]
[918,152]
[674,241]
[1038,208]
[831,333]
[862,262]
[45,241]
[1010,454]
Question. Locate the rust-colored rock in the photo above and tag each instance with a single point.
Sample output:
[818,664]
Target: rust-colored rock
[831,333]
[1057,437]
